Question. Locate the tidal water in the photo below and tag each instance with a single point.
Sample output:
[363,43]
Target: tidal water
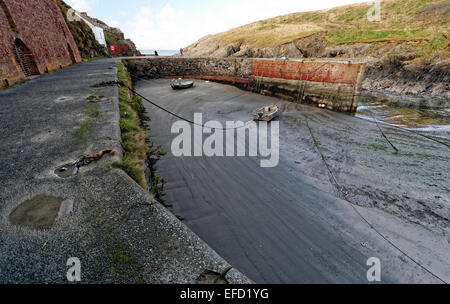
[160,52]
[430,119]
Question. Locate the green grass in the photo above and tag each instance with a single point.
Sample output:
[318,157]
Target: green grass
[156,191]
[85,129]
[437,43]
[19,82]
[125,266]
[133,136]
[158,151]
[92,111]
[110,39]
[370,35]
[99,21]
[401,20]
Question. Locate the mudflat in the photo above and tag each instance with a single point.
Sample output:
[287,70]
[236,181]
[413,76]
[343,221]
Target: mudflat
[292,223]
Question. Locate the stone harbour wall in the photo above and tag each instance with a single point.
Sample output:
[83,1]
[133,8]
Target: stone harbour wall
[166,67]
[333,83]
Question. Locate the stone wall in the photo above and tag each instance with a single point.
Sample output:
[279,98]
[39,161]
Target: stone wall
[334,83]
[40,26]
[163,67]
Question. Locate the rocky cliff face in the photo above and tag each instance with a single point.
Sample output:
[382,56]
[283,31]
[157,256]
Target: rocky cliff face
[408,52]
[115,36]
[85,39]
[83,36]
[403,74]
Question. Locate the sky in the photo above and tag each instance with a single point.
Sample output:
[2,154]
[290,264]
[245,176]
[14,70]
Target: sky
[171,24]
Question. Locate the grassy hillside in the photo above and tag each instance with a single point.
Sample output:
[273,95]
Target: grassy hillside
[401,20]
[407,52]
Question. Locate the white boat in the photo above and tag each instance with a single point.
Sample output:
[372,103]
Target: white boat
[177,84]
[266,113]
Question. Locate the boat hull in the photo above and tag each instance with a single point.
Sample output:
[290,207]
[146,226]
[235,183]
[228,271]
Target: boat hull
[182,85]
[266,116]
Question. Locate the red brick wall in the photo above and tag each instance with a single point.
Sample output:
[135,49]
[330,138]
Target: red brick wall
[41,26]
[317,71]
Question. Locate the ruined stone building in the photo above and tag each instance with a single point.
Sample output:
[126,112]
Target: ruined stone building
[34,39]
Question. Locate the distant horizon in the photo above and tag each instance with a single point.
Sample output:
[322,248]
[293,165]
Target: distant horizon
[175,24]
[160,52]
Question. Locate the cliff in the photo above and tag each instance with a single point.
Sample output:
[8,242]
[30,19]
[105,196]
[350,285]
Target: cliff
[83,35]
[407,51]
[114,35]
[85,39]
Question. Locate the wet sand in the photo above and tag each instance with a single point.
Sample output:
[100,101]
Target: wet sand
[289,224]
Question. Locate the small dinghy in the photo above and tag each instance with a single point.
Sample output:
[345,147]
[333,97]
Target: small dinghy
[266,113]
[177,84]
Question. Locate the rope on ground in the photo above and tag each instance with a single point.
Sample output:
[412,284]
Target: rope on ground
[423,135]
[344,197]
[384,135]
[335,182]
[302,91]
[119,83]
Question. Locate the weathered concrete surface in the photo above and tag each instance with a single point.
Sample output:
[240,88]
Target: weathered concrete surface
[117,231]
[286,224]
[335,83]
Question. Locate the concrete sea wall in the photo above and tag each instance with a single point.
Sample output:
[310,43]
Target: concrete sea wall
[334,83]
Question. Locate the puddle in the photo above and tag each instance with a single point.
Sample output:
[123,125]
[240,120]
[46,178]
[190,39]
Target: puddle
[65,171]
[211,277]
[61,99]
[43,136]
[39,213]
[423,119]
[96,98]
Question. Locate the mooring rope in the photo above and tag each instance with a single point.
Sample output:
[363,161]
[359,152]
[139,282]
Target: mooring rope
[344,197]
[420,134]
[335,182]
[302,91]
[382,133]
[120,83]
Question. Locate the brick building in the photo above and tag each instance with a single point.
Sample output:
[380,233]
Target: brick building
[34,39]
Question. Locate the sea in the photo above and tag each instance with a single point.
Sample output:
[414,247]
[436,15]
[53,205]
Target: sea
[160,52]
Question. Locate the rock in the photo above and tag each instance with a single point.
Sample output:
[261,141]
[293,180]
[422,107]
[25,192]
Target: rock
[290,50]
[233,49]
[153,157]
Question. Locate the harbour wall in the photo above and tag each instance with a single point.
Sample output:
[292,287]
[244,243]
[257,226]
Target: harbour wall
[333,83]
